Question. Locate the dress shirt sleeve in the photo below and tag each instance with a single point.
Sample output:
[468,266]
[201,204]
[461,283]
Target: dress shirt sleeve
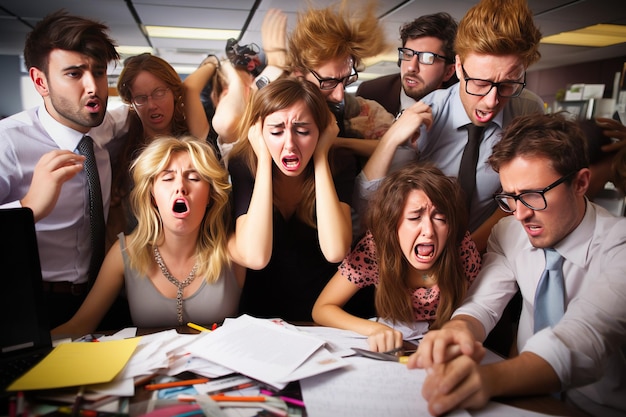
[495,285]
[594,325]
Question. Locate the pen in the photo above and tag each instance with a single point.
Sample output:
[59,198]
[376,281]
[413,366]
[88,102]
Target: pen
[197,327]
[77,401]
[153,387]
[235,388]
[286,399]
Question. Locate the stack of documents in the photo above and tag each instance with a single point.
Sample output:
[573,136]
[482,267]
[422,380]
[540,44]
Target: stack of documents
[266,351]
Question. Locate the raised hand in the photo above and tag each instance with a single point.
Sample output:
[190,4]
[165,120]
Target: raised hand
[52,170]
[327,138]
[274,37]
[613,129]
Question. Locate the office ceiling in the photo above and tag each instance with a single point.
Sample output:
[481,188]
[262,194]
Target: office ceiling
[126,17]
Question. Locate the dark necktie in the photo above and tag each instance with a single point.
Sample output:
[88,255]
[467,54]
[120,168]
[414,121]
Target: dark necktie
[96,210]
[550,294]
[467,169]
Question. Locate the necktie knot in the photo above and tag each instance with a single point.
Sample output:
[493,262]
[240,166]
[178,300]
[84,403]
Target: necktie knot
[554,261]
[474,132]
[85,146]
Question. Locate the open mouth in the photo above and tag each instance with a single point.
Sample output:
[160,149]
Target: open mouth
[291,162]
[425,252]
[180,206]
[483,116]
[93,105]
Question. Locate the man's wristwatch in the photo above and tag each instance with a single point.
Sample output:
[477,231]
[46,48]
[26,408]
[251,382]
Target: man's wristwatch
[262,81]
[269,74]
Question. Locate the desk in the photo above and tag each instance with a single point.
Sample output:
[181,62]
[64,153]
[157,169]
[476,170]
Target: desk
[541,404]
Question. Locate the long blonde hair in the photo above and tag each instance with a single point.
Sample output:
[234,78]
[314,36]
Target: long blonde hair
[211,252]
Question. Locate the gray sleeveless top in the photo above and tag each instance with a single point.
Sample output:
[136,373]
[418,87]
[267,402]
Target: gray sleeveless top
[211,303]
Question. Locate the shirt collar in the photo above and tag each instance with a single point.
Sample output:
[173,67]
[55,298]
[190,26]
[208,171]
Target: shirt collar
[65,137]
[405,101]
[575,246]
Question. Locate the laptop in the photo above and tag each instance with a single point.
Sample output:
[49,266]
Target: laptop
[24,329]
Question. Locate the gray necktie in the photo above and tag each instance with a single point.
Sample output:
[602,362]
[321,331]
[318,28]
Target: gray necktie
[96,210]
[550,294]
[467,168]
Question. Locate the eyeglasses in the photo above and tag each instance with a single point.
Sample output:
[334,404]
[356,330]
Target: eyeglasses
[534,200]
[426,58]
[478,87]
[332,83]
[157,95]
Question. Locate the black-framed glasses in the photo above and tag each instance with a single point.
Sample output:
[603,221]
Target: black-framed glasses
[426,58]
[534,200]
[332,83]
[479,87]
[157,95]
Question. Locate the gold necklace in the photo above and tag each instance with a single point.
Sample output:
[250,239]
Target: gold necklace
[179,285]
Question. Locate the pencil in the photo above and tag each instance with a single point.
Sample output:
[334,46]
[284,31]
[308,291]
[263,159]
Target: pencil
[184,382]
[220,397]
[197,327]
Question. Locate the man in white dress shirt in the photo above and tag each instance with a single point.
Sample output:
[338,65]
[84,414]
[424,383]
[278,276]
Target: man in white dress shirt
[40,167]
[544,171]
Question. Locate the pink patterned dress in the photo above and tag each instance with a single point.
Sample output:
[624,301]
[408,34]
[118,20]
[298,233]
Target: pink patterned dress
[361,268]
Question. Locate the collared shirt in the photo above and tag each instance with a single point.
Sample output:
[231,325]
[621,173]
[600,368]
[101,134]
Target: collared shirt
[588,337]
[405,101]
[64,235]
[444,142]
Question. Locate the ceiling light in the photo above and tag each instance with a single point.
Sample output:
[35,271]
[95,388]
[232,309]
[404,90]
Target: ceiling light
[133,50]
[596,36]
[191,33]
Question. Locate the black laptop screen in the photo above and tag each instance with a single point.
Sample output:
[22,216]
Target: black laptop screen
[23,321]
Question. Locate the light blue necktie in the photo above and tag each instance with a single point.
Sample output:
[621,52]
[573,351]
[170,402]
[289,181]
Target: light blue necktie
[550,294]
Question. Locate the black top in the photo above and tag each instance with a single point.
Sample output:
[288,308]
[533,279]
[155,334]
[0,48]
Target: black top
[297,272]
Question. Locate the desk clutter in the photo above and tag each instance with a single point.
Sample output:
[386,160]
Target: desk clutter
[246,367]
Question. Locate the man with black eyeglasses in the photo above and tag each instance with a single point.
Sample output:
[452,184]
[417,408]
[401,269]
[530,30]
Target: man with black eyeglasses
[426,61]
[496,42]
[567,256]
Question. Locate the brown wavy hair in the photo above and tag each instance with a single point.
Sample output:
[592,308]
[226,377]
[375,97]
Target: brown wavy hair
[548,135]
[499,27]
[60,30]
[136,139]
[278,95]
[383,218]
